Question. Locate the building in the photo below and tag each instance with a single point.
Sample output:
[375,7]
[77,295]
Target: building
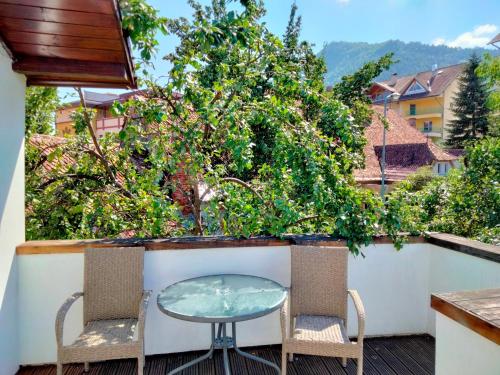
[425,98]
[407,150]
[103,122]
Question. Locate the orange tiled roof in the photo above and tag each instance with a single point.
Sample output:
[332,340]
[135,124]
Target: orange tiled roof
[407,149]
[434,82]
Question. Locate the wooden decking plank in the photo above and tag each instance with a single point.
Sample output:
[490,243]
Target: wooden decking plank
[218,362]
[310,365]
[155,365]
[333,365]
[269,353]
[400,353]
[207,366]
[253,367]
[368,367]
[412,355]
[418,353]
[396,363]
[238,365]
[377,361]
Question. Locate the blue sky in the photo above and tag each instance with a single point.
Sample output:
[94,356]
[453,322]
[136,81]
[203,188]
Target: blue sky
[457,23]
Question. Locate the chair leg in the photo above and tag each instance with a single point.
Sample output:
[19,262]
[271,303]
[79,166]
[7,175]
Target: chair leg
[360,365]
[86,367]
[344,362]
[283,361]
[59,368]
[140,365]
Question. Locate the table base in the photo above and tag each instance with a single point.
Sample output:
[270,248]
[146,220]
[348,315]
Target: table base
[224,342]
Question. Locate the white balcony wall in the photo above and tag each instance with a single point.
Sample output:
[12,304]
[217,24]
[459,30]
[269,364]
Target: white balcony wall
[454,271]
[12,87]
[460,350]
[395,288]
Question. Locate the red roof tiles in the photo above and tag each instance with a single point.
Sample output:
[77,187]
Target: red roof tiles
[407,149]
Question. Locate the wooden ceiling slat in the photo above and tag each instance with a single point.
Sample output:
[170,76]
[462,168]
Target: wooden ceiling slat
[56,15]
[68,53]
[15,24]
[62,41]
[97,81]
[59,69]
[94,82]
[97,6]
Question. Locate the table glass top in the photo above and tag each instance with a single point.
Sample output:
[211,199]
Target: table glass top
[221,298]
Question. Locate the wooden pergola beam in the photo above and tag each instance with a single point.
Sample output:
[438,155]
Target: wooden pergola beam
[70,72]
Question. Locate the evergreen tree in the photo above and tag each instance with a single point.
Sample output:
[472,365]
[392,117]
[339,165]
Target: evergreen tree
[469,107]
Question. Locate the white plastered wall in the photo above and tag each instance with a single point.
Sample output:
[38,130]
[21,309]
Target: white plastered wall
[12,88]
[461,351]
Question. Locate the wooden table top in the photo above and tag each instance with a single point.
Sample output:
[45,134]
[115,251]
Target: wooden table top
[478,310]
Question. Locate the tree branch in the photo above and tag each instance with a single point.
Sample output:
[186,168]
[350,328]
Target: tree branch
[237,181]
[98,151]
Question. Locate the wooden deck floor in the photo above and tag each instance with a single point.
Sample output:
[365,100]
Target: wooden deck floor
[411,355]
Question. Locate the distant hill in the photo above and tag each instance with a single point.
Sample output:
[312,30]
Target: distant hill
[345,57]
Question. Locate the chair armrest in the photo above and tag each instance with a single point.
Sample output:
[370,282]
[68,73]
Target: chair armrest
[143,307]
[285,319]
[61,315]
[360,309]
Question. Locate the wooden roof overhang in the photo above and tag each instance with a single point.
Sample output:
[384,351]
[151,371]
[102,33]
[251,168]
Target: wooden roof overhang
[67,42]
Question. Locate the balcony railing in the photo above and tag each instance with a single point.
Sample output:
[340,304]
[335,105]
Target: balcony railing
[109,123]
[434,129]
[424,111]
[395,285]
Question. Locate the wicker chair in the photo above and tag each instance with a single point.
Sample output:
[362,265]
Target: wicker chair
[114,309]
[314,318]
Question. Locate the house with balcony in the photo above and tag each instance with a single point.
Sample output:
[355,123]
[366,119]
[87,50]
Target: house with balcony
[431,308]
[425,98]
[104,120]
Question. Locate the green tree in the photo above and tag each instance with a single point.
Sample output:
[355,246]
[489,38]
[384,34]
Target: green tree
[489,70]
[261,146]
[465,203]
[469,107]
[41,104]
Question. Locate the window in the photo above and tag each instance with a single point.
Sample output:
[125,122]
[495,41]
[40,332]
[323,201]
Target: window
[415,88]
[427,126]
[412,122]
[413,109]
[443,168]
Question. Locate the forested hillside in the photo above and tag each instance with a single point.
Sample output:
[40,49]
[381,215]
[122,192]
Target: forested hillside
[346,57]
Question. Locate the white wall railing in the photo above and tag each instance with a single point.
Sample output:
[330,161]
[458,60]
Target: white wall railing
[395,288]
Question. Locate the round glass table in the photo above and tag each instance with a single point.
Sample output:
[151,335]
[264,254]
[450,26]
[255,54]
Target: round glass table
[219,300]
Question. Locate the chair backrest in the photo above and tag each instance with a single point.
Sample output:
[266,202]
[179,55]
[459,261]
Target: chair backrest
[319,281]
[113,283]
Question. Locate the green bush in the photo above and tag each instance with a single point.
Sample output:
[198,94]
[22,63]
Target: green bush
[465,203]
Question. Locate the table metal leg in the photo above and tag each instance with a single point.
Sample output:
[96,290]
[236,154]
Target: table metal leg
[250,356]
[213,339]
[224,342]
[193,362]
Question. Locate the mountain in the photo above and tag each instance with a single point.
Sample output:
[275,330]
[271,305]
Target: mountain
[346,57]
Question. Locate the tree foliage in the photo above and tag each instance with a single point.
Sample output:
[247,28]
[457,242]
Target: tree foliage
[40,107]
[243,131]
[465,203]
[489,70]
[469,107]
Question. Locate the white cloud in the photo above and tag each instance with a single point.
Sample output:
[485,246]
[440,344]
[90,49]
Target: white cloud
[438,42]
[343,2]
[478,37]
